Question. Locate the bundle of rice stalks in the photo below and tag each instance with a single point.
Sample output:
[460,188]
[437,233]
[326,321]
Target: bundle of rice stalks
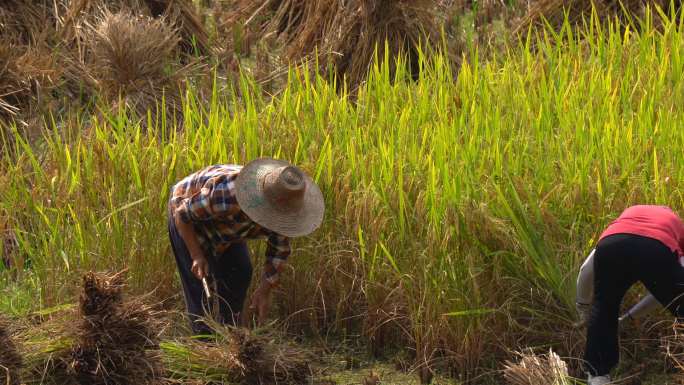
[539,12]
[10,360]
[129,61]
[533,369]
[353,35]
[181,14]
[237,356]
[27,75]
[109,340]
[344,35]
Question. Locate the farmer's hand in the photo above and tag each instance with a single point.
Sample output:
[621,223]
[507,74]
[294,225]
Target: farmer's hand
[583,313]
[261,301]
[200,267]
[625,318]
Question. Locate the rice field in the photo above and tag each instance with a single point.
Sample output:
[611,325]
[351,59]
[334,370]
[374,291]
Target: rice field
[459,204]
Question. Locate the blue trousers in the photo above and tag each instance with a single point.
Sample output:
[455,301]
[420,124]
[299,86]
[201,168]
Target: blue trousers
[230,276]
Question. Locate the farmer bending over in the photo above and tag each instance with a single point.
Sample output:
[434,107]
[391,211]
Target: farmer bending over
[211,214]
[644,244]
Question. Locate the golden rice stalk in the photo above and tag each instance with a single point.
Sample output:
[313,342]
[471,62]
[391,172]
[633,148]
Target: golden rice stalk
[533,369]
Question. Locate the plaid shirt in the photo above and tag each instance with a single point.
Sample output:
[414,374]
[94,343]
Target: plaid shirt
[207,200]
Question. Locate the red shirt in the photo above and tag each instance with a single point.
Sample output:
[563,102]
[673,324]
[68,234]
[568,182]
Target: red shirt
[657,222]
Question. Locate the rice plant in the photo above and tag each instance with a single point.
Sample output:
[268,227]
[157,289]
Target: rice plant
[459,205]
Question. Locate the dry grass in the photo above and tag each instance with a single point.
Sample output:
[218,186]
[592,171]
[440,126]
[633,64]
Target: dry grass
[533,369]
[110,339]
[181,13]
[539,12]
[674,350]
[238,356]
[10,360]
[129,61]
[341,35]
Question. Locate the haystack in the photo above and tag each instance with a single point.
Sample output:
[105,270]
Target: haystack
[181,14]
[11,362]
[342,35]
[115,339]
[28,70]
[108,340]
[129,62]
[554,12]
[238,356]
[534,369]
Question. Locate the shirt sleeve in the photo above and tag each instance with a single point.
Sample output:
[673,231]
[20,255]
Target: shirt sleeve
[214,199]
[277,252]
[585,281]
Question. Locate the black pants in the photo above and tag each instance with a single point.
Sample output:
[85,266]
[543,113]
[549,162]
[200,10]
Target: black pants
[620,261]
[231,274]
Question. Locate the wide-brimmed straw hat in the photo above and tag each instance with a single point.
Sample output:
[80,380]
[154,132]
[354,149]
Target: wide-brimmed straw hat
[280,197]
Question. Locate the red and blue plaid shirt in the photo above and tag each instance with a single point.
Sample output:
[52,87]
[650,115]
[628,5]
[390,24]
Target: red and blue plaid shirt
[207,200]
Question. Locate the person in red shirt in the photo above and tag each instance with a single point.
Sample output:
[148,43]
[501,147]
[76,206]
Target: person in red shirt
[643,244]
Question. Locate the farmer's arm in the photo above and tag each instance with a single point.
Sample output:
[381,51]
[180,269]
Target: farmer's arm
[585,290]
[585,281]
[211,201]
[647,305]
[277,252]
[186,230]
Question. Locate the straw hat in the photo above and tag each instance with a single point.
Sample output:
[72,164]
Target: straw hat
[279,197]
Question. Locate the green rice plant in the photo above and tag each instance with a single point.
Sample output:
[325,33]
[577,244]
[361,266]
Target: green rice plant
[459,206]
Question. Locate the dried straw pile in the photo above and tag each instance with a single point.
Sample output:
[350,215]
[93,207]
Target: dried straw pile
[130,62]
[554,11]
[116,338]
[343,35]
[109,340]
[28,71]
[237,356]
[11,362]
[55,53]
[533,369]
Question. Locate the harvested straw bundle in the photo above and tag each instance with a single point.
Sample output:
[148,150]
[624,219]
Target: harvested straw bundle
[554,11]
[10,360]
[114,336]
[28,70]
[181,14]
[237,356]
[533,369]
[343,35]
[108,340]
[130,62]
